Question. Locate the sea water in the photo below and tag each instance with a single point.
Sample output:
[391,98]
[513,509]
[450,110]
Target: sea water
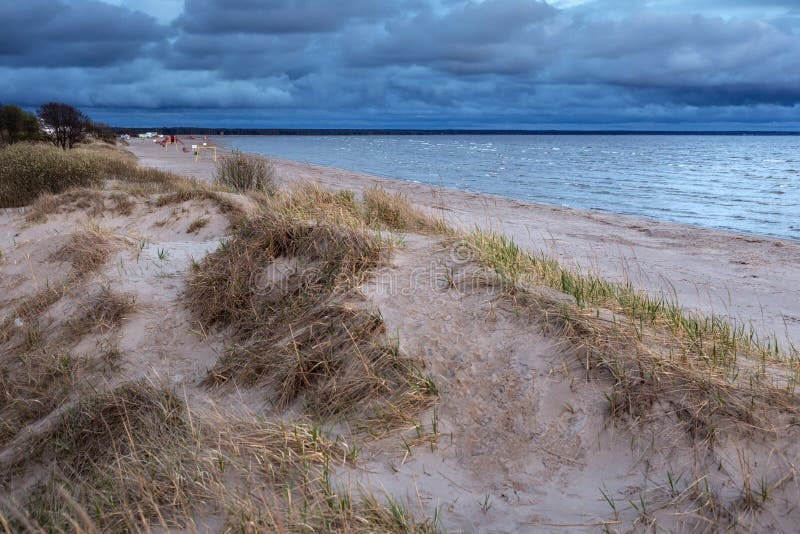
[744,183]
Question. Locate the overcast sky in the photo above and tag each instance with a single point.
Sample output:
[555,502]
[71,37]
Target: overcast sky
[673,64]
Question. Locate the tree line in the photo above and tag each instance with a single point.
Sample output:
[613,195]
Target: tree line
[62,124]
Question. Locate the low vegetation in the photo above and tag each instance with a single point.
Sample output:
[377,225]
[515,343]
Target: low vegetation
[395,212]
[87,250]
[284,287]
[29,170]
[716,338]
[245,172]
[101,311]
[377,210]
[95,452]
[282,293]
[17,125]
[657,352]
[33,383]
[118,460]
[135,456]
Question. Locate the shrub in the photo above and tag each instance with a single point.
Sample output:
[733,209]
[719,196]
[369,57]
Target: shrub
[244,172]
[102,132]
[29,170]
[18,125]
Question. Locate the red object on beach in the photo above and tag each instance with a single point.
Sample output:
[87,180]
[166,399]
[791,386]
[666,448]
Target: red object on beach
[172,139]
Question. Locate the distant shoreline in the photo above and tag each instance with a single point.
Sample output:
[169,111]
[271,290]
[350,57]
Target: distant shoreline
[191,130]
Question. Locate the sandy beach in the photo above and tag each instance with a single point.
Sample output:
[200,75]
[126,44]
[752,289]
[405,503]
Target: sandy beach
[751,279]
[354,348]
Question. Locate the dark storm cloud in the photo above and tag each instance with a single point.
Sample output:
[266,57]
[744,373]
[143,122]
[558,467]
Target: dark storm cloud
[52,33]
[508,62]
[496,36]
[278,16]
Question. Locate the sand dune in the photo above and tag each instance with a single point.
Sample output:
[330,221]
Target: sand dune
[754,279]
[344,362]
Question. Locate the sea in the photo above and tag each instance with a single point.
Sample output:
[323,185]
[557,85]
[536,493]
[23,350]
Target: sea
[743,183]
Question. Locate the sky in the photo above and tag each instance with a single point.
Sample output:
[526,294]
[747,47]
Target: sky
[492,64]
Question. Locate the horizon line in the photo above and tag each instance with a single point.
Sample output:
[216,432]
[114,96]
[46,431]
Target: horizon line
[205,130]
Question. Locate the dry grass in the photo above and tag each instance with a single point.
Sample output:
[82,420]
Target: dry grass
[123,204]
[32,384]
[396,212]
[106,149]
[34,378]
[54,180]
[652,374]
[709,374]
[283,287]
[236,285]
[197,225]
[677,377]
[87,251]
[103,311]
[717,339]
[116,456]
[91,202]
[29,170]
[39,372]
[135,458]
[337,360]
[189,190]
[312,202]
[245,172]
[378,210]
[26,315]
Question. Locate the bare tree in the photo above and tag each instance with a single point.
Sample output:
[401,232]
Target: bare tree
[65,124]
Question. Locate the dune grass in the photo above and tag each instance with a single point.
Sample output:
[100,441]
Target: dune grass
[21,329]
[245,172]
[101,311]
[717,339]
[135,458]
[655,350]
[48,180]
[394,211]
[29,170]
[116,462]
[377,209]
[87,250]
[32,384]
[132,457]
[283,287]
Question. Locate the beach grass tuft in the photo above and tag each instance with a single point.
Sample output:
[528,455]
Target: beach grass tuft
[87,250]
[28,170]
[245,172]
[396,212]
[656,351]
[283,287]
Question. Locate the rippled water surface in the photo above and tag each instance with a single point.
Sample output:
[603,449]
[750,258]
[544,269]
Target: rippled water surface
[744,183]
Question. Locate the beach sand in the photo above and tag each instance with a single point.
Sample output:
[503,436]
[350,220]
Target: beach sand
[525,434]
[751,279]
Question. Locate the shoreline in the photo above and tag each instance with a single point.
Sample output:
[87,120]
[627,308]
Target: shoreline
[743,277]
